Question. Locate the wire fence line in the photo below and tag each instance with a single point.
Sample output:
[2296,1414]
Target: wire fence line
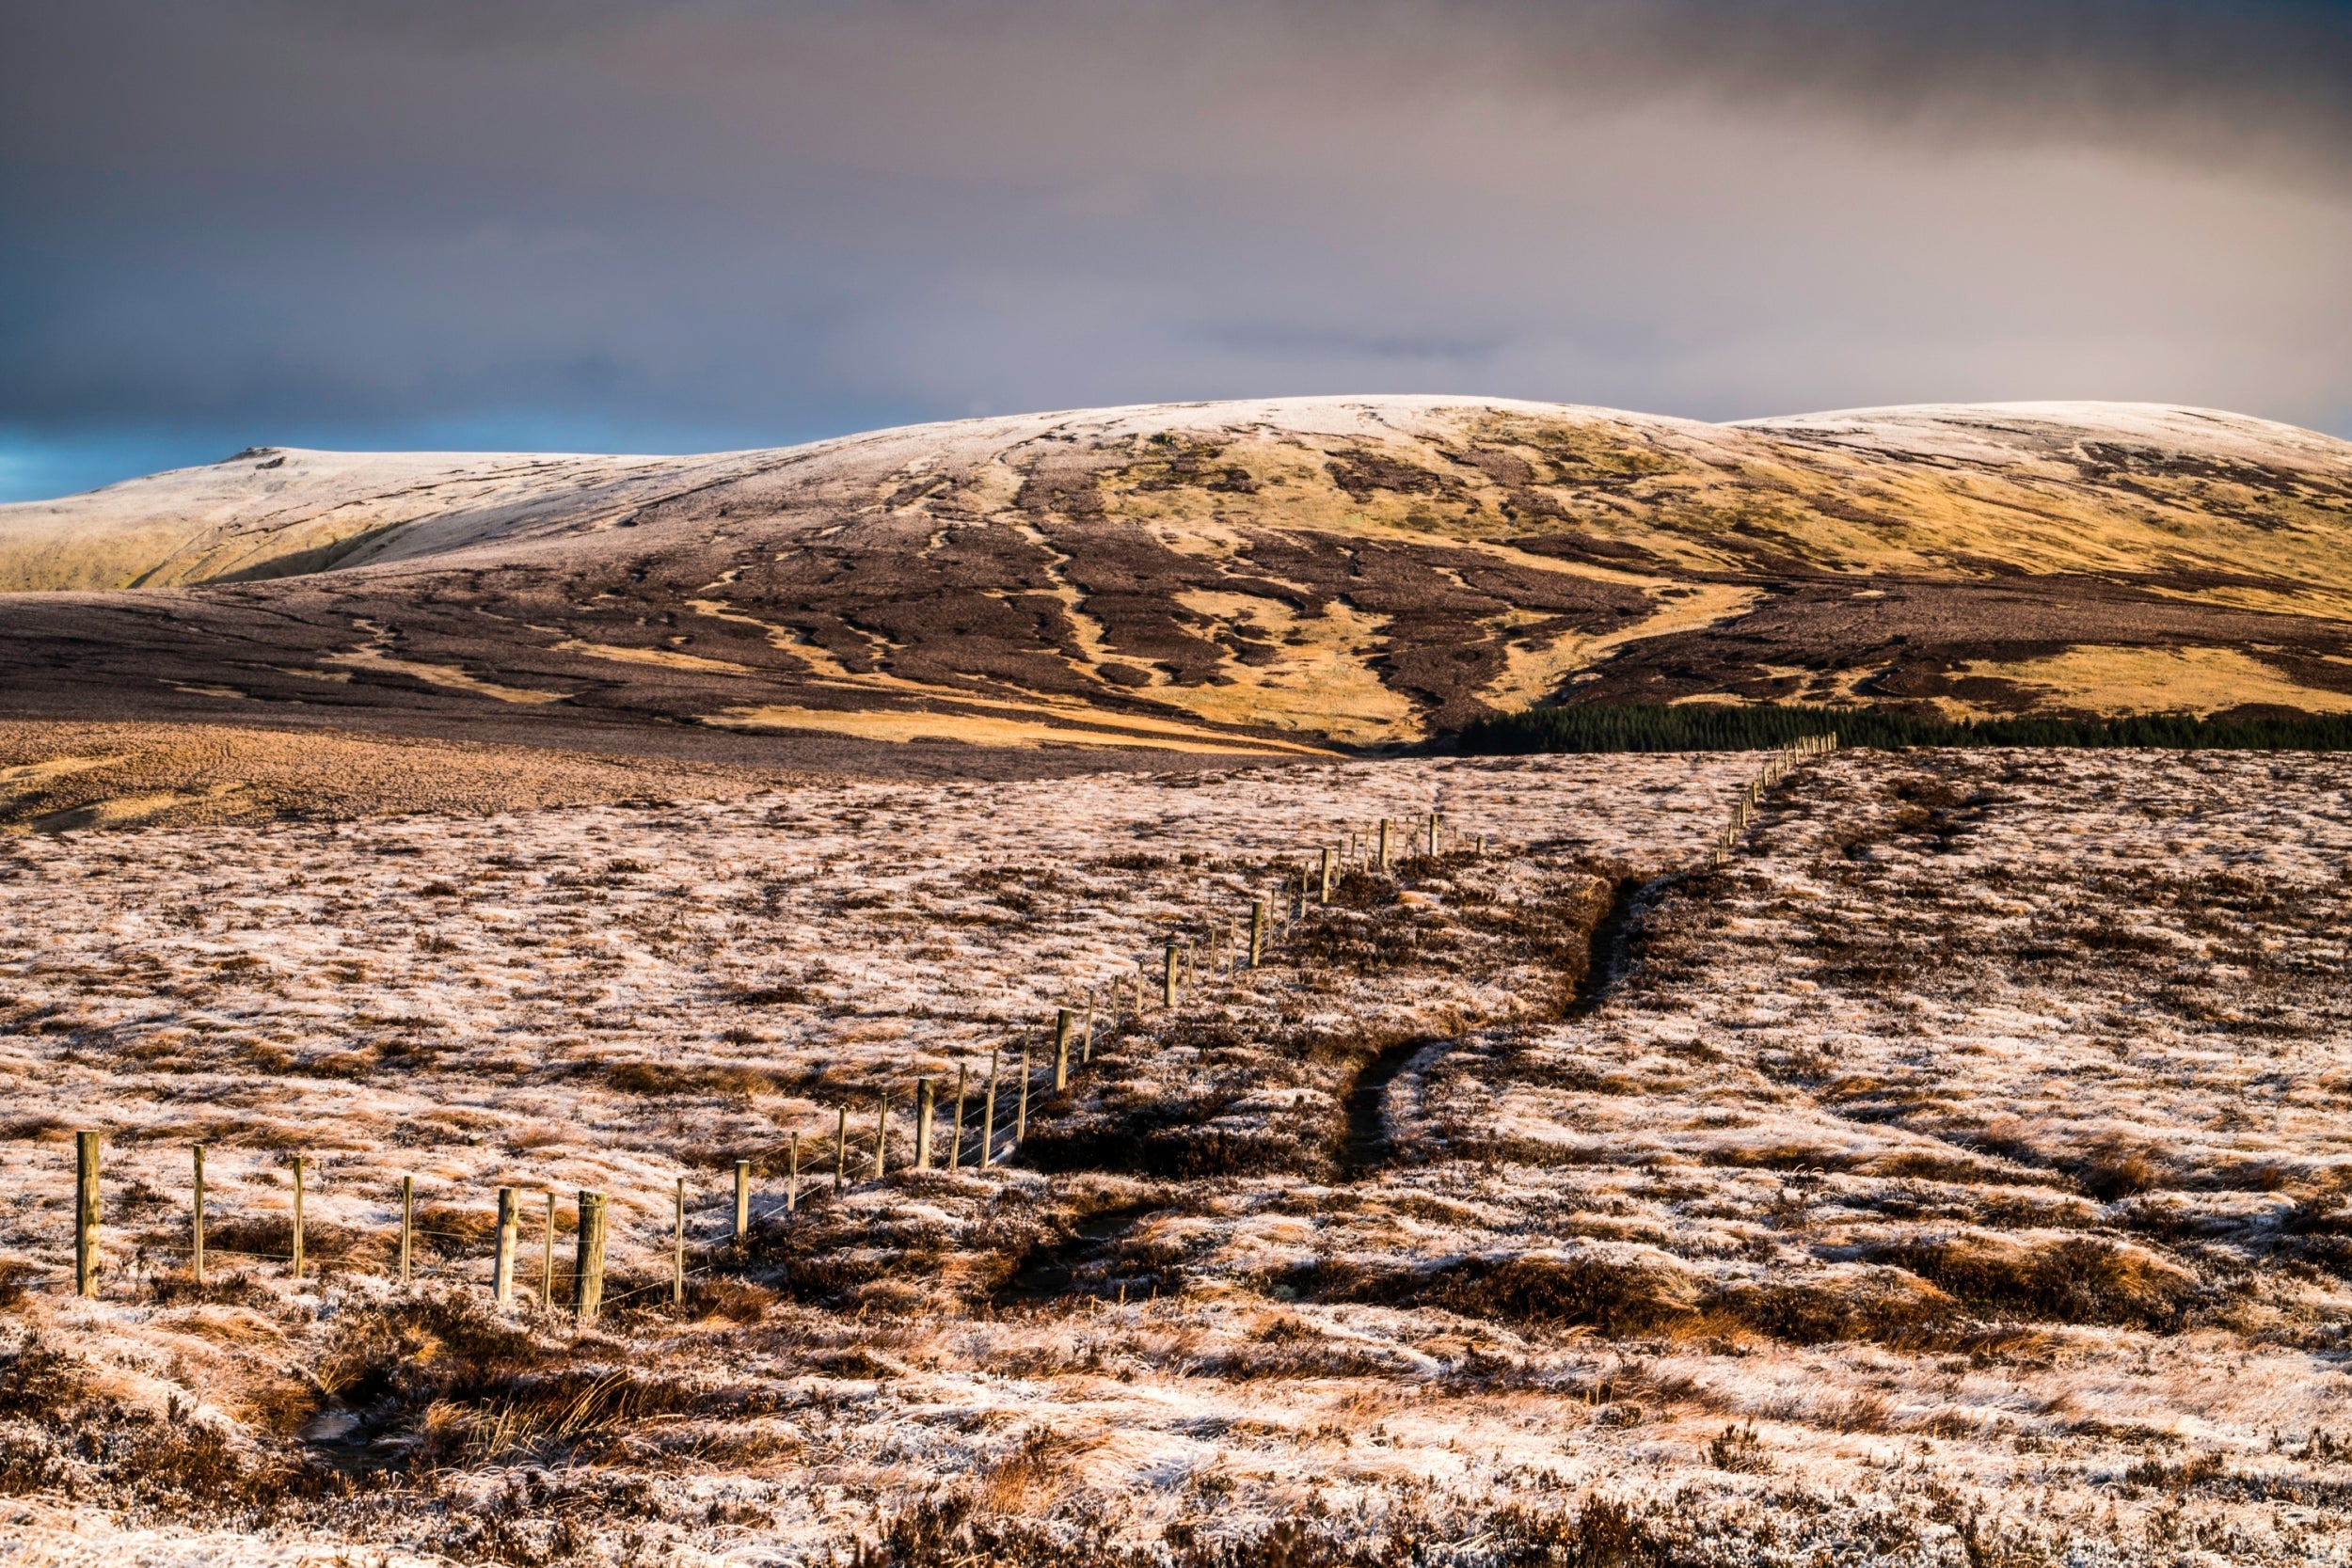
[1276,911]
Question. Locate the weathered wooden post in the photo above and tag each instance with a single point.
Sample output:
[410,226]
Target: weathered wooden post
[298,1163]
[196,1224]
[841,1152]
[743,1200]
[1168,982]
[923,1124]
[955,1136]
[1086,1045]
[1433,834]
[1021,1102]
[588,1259]
[547,1255]
[792,1177]
[502,1262]
[85,1150]
[988,1116]
[1257,934]
[1383,844]
[408,1225]
[881,1131]
[678,1249]
[1061,1049]
[1328,866]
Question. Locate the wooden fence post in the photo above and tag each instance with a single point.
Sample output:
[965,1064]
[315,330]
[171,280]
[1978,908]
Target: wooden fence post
[1086,1045]
[588,1259]
[547,1256]
[298,1163]
[678,1249]
[841,1152]
[1021,1102]
[792,1177]
[407,1225]
[85,1150]
[1328,866]
[196,1224]
[923,1093]
[1383,844]
[1167,979]
[743,1199]
[955,1135]
[881,1131]
[502,1263]
[987,1115]
[1433,833]
[1257,934]
[1061,1049]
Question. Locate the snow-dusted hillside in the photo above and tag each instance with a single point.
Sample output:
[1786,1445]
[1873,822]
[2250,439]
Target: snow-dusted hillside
[1956,1174]
[1295,573]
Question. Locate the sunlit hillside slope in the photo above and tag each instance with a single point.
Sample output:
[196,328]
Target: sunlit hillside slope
[1279,576]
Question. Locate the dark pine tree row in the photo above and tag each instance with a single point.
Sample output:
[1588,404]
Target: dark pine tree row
[1721,727]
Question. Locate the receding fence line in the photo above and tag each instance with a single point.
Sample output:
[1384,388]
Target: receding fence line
[1308,882]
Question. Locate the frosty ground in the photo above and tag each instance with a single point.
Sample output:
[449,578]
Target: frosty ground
[1957,1174]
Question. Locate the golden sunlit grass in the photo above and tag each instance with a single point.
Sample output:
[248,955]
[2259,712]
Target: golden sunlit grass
[2154,680]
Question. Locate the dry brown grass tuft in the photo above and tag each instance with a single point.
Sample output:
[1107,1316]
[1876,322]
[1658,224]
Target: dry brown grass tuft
[2073,1279]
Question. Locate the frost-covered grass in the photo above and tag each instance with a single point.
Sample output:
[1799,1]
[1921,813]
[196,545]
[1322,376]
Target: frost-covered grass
[1957,1173]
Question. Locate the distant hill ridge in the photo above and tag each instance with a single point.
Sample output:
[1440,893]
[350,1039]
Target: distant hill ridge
[1275,574]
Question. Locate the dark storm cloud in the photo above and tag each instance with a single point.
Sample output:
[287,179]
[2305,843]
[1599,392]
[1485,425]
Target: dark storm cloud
[712,222]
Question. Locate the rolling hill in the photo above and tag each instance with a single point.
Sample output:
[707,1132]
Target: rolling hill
[1275,577]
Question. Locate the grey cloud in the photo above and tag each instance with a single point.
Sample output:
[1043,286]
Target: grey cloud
[712,221]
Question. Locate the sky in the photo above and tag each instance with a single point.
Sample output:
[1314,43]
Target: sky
[690,225]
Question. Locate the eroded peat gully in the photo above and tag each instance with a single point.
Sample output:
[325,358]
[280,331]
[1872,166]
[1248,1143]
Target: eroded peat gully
[1608,956]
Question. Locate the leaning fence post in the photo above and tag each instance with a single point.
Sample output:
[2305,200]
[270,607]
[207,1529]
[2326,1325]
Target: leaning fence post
[955,1136]
[547,1256]
[588,1259]
[196,1224]
[881,1131]
[1257,933]
[678,1249]
[987,1115]
[1167,980]
[1021,1103]
[1086,1046]
[86,1213]
[743,1199]
[841,1150]
[792,1177]
[298,1163]
[1061,1049]
[408,1224]
[503,1264]
[923,1093]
